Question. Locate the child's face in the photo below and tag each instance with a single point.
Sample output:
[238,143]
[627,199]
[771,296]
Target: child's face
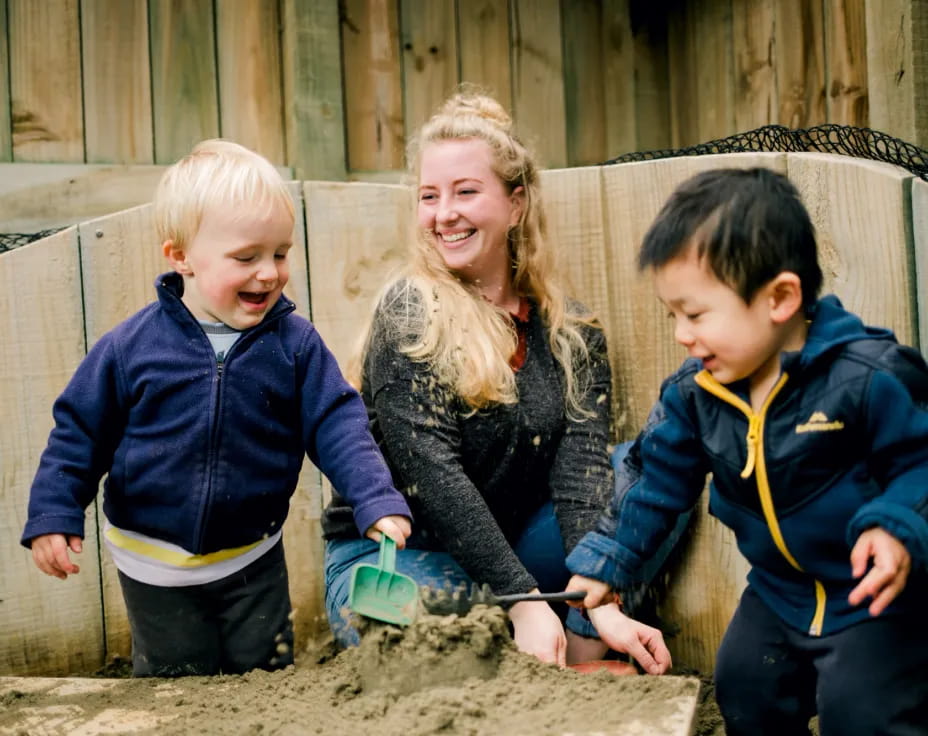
[734,339]
[466,207]
[236,265]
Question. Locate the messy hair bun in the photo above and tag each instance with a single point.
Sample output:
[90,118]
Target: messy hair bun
[461,335]
[471,101]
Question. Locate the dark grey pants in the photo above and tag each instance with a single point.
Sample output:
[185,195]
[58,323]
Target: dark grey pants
[871,678]
[233,625]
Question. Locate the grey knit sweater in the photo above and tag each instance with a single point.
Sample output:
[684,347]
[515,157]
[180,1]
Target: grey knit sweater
[473,479]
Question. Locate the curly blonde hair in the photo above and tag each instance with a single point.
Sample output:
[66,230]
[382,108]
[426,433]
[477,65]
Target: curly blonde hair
[466,340]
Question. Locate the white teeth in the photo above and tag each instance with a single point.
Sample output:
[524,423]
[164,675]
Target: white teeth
[454,237]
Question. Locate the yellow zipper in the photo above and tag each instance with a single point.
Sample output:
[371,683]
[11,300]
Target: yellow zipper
[756,464]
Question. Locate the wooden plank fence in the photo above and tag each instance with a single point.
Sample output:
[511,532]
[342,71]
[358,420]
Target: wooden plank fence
[59,294]
[332,88]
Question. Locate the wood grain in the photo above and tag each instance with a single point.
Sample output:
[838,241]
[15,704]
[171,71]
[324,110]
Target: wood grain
[185,103]
[373,85]
[430,58]
[314,117]
[47,626]
[483,40]
[45,80]
[250,84]
[117,81]
[538,79]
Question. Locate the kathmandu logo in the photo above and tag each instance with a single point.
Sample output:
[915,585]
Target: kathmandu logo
[818,422]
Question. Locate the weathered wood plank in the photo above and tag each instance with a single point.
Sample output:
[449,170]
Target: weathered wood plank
[185,106]
[356,234]
[430,58]
[618,59]
[701,72]
[897,68]
[248,53]
[48,626]
[573,204]
[538,78]
[6,132]
[117,81]
[700,597]
[652,81]
[800,65]
[853,204]
[682,86]
[714,69]
[36,197]
[920,246]
[313,100]
[45,80]
[755,78]
[584,82]
[846,35]
[483,37]
[373,91]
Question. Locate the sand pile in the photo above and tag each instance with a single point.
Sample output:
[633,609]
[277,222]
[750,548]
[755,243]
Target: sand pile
[442,675]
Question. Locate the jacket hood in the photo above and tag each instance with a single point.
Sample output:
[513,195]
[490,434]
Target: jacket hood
[831,328]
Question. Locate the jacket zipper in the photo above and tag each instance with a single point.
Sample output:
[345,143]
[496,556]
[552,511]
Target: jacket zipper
[756,464]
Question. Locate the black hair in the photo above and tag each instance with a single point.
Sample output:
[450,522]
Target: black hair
[749,225]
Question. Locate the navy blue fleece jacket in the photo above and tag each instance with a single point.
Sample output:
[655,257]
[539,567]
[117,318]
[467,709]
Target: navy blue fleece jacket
[199,453]
[840,445]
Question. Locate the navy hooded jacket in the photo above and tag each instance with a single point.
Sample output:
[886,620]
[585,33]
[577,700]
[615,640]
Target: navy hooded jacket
[839,446]
[201,453]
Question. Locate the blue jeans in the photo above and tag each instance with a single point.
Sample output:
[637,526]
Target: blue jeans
[540,548]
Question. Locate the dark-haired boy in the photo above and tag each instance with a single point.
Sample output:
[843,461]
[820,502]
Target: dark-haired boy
[815,430]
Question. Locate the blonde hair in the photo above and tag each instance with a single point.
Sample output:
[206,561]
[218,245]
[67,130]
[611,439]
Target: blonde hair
[443,320]
[215,172]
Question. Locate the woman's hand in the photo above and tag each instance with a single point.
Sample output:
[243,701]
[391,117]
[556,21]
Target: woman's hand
[624,634]
[538,631]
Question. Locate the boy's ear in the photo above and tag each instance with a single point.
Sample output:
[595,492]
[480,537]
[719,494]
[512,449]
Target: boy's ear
[785,295]
[177,257]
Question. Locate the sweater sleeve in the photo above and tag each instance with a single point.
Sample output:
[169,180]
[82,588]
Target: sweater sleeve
[660,478]
[89,422]
[897,425]
[421,439]
[581,478]
[338,440]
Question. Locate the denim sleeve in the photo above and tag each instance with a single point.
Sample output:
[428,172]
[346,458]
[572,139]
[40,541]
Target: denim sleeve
[660,478]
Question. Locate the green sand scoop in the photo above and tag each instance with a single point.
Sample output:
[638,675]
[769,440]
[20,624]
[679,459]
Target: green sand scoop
[378,591]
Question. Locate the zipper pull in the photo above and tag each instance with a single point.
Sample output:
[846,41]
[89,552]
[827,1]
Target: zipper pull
[220,362]
[752,438]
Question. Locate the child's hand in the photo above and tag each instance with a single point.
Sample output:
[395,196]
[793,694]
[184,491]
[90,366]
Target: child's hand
[598,593]
[624,634]
[890,571]
[50,554]
[395,527]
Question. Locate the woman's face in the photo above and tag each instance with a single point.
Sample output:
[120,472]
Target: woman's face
[465,209]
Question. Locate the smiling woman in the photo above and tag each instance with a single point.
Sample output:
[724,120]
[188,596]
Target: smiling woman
[488,391]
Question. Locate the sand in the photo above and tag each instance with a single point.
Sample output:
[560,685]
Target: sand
[442,675]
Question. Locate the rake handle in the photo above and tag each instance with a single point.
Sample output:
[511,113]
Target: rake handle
[570,595]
